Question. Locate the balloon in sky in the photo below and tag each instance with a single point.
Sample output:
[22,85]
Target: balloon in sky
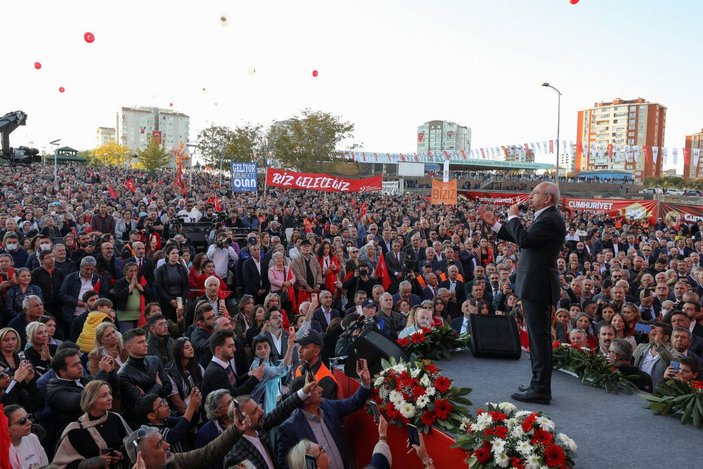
[37,65]
[224,21]
[315,73]
[574,2]
[170,104]
[61,89]
[89,37]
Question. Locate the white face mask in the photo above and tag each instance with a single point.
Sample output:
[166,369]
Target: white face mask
[11,246]
[45,246]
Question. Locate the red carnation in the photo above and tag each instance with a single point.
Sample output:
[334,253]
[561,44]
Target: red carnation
[516,463]
[500,431]
[542,437]
[431,369]
[418,391]
[498,416]
[483,455]
[527,423]
[443,408]
[442,384]
[554,456]
[556,344]
[697,384]
[417,338]
[404,342]
[428,418]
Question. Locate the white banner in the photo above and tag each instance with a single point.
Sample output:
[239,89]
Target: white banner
[391,187]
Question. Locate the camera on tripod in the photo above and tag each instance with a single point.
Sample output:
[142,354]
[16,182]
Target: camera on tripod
[23,156]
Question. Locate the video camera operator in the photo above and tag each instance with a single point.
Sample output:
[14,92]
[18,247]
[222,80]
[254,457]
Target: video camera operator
[360,279]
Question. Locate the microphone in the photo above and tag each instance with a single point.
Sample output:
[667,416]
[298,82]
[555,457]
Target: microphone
[522,207]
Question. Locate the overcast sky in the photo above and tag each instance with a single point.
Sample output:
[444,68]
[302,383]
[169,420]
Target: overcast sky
[385,65]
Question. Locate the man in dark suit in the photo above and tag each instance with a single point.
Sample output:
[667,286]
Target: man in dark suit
[652,357]
[219,373]
[405,293]
[537,280]
[255,279]
[71,288]
[415,250]
[394,263]
[145,266]
[430,291]
[303,424]
[454,284]
[325,313]
[257,447]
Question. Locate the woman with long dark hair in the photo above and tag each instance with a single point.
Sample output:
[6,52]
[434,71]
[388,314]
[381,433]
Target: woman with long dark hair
[171,281]
[185,374]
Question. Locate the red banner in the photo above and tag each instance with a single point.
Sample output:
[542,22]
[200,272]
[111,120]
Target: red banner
[636,209]
[496,198]
[674,214]
[321,182]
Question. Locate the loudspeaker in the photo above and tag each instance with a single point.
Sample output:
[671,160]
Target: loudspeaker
[373,346]
[494,337]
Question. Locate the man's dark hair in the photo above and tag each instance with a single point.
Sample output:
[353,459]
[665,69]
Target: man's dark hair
[67,344]
[666,328]
[132,333]
[676,312]
[154,319]
[88,295]
[203,307]
[59,361]
[218,338]
[43,254]
[146,405]
[691,362]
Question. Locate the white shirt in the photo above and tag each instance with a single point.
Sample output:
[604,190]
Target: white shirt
[648,362]
[86,285]
[28,454]
[254,440]
[221,257]
[465,326]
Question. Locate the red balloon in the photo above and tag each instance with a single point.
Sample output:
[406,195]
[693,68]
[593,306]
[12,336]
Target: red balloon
[89,37]
[170,104]
[315,73]
[574,2]
[61,89]
[37,65]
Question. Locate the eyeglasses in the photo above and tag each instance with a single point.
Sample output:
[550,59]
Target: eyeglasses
[162,403]
[21,421]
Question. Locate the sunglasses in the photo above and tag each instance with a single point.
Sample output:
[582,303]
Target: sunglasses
[21,421]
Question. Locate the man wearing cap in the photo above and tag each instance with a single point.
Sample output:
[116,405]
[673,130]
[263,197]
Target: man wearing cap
[310,355]
[370,308]
[307,271]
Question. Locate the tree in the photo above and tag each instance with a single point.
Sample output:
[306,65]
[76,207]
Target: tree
[110,154]
[213,143]
[246,144]
[303,142]
[154,156]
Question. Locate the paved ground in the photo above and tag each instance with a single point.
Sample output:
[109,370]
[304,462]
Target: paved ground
[611,430]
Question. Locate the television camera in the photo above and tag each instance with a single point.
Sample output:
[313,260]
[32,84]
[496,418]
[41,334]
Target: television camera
[21,156]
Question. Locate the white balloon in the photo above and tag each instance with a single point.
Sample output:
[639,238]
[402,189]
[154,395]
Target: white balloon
[224,21]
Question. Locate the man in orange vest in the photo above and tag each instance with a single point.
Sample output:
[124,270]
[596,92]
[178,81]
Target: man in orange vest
[309,352]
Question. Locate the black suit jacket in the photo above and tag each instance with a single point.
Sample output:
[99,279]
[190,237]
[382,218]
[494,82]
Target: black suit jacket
[215,377]
[393,265]
[459,288]
[537,276]
[410,251]
[147,268]
[252,281]
[319,316]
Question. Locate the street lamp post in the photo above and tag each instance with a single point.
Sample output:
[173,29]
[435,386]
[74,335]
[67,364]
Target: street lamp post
[192,146]
[556,174]
[55,143]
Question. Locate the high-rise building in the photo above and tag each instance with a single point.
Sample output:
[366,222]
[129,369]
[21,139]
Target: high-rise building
[519,153]
[139,123]
[105,135]
[567,163]
[693,162]
[607,134]
[443,135]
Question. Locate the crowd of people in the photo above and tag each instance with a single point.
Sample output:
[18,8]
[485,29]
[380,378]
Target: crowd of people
[123,346]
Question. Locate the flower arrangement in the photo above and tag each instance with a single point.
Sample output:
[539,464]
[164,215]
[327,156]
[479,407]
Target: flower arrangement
[590,368]
[434,343]
[674,396]
[418,393]
[502,436]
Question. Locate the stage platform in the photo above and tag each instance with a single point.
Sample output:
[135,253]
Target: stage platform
[611,430]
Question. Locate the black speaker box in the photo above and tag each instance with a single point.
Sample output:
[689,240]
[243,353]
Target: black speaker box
[373,346]
[494,337]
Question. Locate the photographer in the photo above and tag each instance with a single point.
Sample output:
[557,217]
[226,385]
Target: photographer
[222,253]
[360,279]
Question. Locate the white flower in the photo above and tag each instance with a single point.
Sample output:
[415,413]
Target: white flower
[491,404]
[415,372]
[464,421]
[507,407]
[425,381]
[383,393]
[533,462]
[524,448]
[523,413]
[516,432]
[400,368]
[484,420]
[502,459]
[430,391]
[545,424]
[422,401]
[498,447]
[407,410]
[568,442]
[396,398]
[378,382]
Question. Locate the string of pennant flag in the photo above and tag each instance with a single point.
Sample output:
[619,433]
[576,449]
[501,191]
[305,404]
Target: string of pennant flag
[595,152]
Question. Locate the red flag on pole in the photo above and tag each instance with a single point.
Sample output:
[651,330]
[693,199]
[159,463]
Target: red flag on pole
[113,193]
[551,146]
[130,185]
[218,206]
[364,208]
[382,272]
